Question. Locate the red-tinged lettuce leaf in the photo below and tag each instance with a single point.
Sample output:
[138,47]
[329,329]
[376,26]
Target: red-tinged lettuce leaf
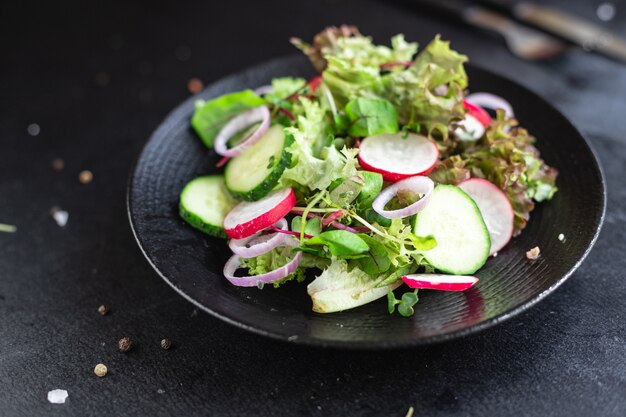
[324,42]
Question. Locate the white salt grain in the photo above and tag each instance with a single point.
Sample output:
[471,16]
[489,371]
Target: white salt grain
[561,237]
[57,396]
[60,216]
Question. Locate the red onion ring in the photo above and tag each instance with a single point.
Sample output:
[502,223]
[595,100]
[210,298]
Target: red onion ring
[291,233]
[417,184]
[238,123]
[332,217]
[491,101]
[342,226]
[259,243]
[234,263]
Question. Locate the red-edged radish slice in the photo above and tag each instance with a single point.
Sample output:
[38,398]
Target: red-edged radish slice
[247,218]
[496,210]
[417,185]
[440,282]
[469,129]
[397,157]
[477,112]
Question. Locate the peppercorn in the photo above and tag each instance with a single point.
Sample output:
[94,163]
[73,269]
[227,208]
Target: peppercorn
[125,344]
[100,370]
[103,310]
[85,177]
[166,344]
[58,164]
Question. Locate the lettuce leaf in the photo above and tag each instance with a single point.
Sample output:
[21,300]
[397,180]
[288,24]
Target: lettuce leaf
[283,87]
[430,92]
[210,117]
[338,288]
[316,163]
[353,68]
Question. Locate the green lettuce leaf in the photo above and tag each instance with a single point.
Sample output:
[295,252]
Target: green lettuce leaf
[430,92]
[283,87]
[210,117]
[353,68]
[312,172]
[339,288]
[371,116]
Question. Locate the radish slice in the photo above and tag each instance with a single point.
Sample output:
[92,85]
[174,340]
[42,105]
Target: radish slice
[258,244]
[234,263]
[237,124]
[469,129]
[418,185]
[397,157]
[477,112]
[440,282]
[247,218]
[496,210]
[491,101]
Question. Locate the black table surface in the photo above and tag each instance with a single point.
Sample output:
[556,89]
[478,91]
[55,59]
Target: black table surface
[97,79]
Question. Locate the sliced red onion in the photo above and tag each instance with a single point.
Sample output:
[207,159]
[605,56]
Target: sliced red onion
[264,89]
[259,243]
[237,124]
[342,226]
[418,184]
[234,263]
[491,101]
[290,233]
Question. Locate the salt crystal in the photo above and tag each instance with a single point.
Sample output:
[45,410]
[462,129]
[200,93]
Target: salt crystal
[57,396]
[160,391]
[60,216]
[561,237]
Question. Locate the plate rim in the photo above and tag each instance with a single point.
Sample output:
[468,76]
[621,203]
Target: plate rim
[365,344]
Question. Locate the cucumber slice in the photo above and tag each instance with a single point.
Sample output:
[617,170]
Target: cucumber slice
[462,237]
[204,202]
[252,174]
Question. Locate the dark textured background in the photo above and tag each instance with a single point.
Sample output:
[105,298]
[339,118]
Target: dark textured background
[564,357]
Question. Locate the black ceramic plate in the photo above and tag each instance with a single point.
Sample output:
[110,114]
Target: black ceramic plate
[192,262]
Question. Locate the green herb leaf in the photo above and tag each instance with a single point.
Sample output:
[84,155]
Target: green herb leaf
[377,260]
[409,299]
[346,191]
[312,227]
[340,243]
[209,118]
[391,302]
[370,190]
[369,116]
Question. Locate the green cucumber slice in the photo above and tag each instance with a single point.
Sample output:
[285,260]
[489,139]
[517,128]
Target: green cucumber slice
[204,202]
[255,172]
[453,218]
